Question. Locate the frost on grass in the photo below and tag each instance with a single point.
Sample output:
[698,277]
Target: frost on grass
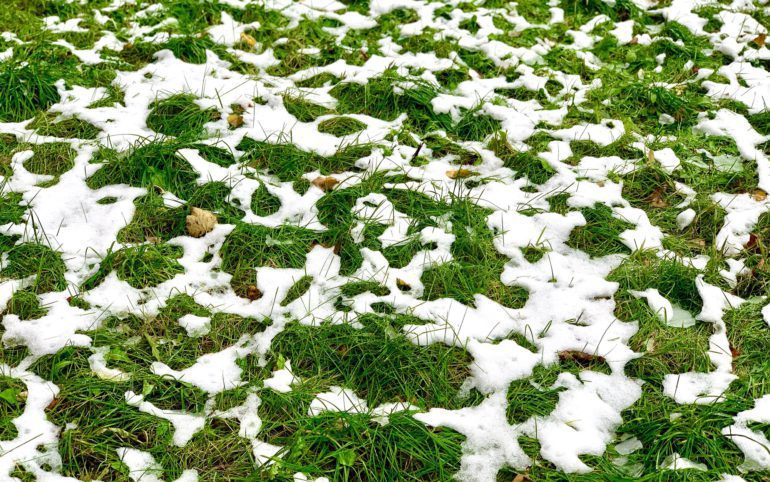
[375,240]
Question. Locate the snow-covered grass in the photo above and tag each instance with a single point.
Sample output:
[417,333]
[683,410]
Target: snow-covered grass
[482,240]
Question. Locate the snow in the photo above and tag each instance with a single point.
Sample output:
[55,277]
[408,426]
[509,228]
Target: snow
[195,325]
[142,467]
[185,425]
[282,379]
[667,312]
[570,305]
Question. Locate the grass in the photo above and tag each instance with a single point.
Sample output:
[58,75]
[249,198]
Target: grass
[263,203]
[53,159]
[180,116]
[348,447]
[473,94]
[601,233]
[304,110]
[48,125]
[524,164]
[26,90]
[11,405]
[341,126]
[38,260]
[141,266]
[26,305]
[147,164]
[288,163]
[153,221]
[373,365]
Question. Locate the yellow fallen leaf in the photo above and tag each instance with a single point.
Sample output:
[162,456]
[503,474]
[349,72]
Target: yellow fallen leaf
[200,222]
[235,120]
[759,195]
[650,156]
[248,39]
[460,173]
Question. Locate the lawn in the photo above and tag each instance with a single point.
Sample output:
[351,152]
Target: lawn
[384,240]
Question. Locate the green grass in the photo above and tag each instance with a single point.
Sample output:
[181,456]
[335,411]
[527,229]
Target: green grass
[304,110]
[11,405]
[147,164]
[288,163]
[600,235]
[153,220]
[263,203]
[72,127]
[141,266]
[26,305]
[524,164]
[347,447]
[53,159]
[341,126]
[374,365]
[387,72]
[25,90]
[180,116]
[11,209]
[38,260]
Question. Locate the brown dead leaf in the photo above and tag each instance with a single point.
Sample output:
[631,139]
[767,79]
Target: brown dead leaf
[579,357]
[343,350]
[734,351]
[759,41]
[521,478]
[235,120]
[656,198]
[403,285]
[325,183]
[634,40]
[697,243]
[759,195]
[460,173]
[248,39]
[53,404]
[200,222]
[753,241]
[253,293]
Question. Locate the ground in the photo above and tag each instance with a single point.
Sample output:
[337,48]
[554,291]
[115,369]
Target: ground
[384,240]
